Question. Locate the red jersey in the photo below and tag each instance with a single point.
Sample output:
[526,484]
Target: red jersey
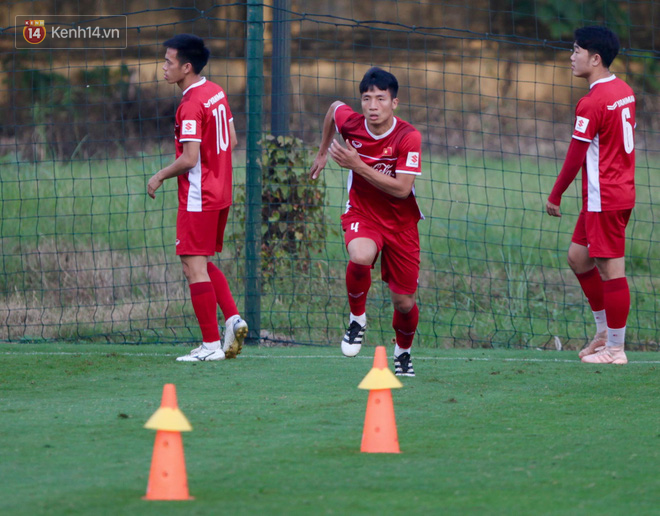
[398,151]
[203,116]
[605,117]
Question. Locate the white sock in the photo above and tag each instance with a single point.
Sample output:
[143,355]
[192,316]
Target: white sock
[616,337]
[601,321]
[398,350]
[362,319]
[212,345]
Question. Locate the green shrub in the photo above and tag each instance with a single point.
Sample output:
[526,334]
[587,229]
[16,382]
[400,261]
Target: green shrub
[293,222]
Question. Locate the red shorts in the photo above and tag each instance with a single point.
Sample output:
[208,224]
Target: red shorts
[602,233]
[200,233]
[399,261]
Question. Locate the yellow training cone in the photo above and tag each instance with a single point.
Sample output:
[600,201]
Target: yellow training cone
[379,434]
[167,477]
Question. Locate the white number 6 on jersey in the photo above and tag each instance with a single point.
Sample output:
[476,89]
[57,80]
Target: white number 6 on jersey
[628,135]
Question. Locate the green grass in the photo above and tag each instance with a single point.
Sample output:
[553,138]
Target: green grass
[278,432]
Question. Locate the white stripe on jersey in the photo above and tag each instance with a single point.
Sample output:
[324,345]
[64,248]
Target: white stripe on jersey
[593,176]
[599,81]
[376,159]
[420,210]
[195,186]
[380,136]
[582,139]
[408,172]
[333,116]
[349,183]
[198,83]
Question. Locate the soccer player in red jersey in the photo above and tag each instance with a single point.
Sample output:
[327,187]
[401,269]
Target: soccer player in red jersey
[383,154]
[603,145]
[204,136]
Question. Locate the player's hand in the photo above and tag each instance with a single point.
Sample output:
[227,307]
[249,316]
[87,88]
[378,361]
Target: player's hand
[346,157]
[154,184]
[552,209]
[319,164]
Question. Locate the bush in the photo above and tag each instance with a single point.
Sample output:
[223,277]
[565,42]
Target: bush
[293,206]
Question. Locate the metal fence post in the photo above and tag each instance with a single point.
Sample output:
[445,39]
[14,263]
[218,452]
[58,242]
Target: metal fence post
[255,86]
[281,66]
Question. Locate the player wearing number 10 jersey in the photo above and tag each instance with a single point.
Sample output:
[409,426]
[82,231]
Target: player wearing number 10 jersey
[603,145]
[204,116]
[204,139]
[383,155]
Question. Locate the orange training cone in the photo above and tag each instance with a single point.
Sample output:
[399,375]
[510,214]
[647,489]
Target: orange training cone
[379,434]
[167,479]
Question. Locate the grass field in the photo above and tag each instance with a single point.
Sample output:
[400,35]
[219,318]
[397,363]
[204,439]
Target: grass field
[278,432]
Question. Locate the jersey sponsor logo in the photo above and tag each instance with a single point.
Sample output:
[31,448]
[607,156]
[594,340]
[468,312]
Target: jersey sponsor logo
[384,168]
[356,144]
[215,98]
[413,159]
[622,102]
[581,124]
[189,127]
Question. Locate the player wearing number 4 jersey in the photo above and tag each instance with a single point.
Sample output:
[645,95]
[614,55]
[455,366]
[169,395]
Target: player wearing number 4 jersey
[204,137]
[603,145]
[383,154]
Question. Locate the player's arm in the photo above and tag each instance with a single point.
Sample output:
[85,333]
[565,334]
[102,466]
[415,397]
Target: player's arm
[347,157]
[577,152]
[326,139]
[232,134]
[181,165]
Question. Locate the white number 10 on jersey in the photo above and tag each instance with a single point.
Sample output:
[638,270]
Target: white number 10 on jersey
[222,128]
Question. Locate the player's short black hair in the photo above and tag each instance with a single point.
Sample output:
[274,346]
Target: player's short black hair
[380,79]
[598,40]
[189,49]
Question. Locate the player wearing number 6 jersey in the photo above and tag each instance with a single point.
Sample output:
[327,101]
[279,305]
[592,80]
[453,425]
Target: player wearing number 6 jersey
[383,154]
[204,137]
[603,145]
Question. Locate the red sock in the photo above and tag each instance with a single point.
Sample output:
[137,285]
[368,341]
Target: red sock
[358,282]
[405,326]
[592,286]
[617,302]
[202,296]
[222,293]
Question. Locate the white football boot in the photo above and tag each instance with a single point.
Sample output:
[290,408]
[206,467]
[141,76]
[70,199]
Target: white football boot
[236,329]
